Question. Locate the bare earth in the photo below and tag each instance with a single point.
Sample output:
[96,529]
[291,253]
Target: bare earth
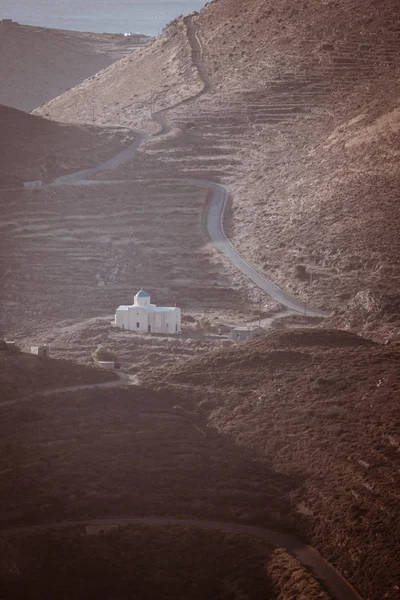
[23,374]
[171,562]
[295,115]
[320,406]
[33,148]
[300,120]
[38,64]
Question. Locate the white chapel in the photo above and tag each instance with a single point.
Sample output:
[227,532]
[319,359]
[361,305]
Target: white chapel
[144,317]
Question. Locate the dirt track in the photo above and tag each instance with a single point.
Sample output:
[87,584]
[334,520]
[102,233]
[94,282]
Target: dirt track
[338,587]
[123,379]
[220,194]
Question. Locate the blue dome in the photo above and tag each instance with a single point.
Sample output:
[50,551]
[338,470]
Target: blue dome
[142,294]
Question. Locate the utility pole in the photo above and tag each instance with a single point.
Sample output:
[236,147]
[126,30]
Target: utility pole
[305,305]
[93,111]
[259,313]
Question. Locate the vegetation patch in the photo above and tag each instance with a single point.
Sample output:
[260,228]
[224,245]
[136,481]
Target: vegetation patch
[171,562]
[323,405]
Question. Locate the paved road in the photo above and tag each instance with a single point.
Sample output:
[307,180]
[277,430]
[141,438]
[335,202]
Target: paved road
[215,220]
[332,580]
[220,193]
[118,159]
[335,584]
[218,204]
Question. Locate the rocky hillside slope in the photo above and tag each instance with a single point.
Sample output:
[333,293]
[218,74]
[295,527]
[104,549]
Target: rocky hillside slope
[128,92]
[302,124]
[24,374]
[38,64]
[35,148]
[320,406]
[198,564]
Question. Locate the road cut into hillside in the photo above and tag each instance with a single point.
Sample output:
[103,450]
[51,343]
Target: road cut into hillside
[337,586]
[219,193]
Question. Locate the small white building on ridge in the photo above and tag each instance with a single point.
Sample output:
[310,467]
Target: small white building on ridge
[144,317]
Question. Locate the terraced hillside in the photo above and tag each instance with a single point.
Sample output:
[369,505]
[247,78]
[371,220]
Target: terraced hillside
[153,78]
[295,430]
[301,122]
[76,255]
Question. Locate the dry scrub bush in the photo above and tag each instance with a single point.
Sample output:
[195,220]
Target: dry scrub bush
[102,353]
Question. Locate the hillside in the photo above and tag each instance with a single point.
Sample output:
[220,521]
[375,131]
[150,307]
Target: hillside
[170,563]
[130,90]
[295,109]
[24,374]
[38,64]
[321,407]
[35,148]
[57,241]
[93,453]
[301,123]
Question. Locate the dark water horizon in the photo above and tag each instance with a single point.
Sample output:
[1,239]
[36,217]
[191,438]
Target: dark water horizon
[99,16]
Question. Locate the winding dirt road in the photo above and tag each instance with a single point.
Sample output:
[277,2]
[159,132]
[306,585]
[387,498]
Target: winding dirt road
[219,193]
[331,580]
[338,588]
[123,380]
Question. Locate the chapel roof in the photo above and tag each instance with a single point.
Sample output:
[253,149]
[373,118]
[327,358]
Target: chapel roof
[142,294]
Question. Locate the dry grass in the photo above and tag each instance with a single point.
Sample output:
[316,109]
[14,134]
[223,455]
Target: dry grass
[291,580]
[24,374]
[57,241]
[53,61]
[129,451]
[141,562]
[317,112]
[127,92]
[134,351]
[321,405]
[34,148]
[297,111]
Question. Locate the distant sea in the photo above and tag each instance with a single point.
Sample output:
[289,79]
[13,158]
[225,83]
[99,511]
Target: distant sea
[111,16]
